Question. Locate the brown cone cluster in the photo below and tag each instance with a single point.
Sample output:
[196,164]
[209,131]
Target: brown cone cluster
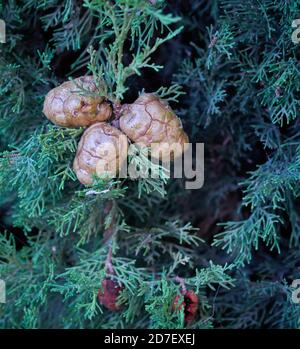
[102,150]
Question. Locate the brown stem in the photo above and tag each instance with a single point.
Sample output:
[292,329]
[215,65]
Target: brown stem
[108,232]
[181,282]
[108,263]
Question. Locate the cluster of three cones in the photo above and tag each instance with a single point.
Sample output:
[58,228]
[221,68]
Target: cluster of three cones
[149,121]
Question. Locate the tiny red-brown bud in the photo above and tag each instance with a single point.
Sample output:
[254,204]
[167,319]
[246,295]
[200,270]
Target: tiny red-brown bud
[189,304]
[108,295]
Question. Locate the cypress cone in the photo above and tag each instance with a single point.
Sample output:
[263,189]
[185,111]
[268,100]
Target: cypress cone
[101,150]
[189,304]
[70,104]
[150,121]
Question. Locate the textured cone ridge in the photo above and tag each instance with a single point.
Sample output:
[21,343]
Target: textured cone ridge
[66,105]
[101,150]
[150,121]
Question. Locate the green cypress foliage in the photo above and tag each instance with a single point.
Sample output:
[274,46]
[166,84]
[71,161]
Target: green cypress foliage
[230,69]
